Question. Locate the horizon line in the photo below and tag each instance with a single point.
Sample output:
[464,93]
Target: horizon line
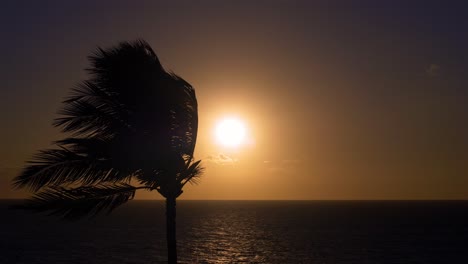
[287,200]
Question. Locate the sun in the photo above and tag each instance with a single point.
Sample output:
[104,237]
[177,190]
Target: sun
[230,132]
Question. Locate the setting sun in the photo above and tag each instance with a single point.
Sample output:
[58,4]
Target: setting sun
[230,132]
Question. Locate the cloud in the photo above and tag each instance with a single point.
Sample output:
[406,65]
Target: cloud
[221,159]
[433,69]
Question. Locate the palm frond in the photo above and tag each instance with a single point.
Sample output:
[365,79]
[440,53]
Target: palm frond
[84,118]
[94,147]
[124,67]
[91,110]
[130,119]
[91,91]
[78,202]
[184,116]
[192,173]
[62,167]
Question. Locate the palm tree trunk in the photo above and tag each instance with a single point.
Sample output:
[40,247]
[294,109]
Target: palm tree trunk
[171,230]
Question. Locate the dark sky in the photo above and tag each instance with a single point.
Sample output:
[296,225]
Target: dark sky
[343,99]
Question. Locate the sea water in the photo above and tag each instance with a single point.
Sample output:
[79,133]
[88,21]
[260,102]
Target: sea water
[246,232]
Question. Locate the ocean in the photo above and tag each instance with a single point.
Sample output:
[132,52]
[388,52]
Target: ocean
[246,232]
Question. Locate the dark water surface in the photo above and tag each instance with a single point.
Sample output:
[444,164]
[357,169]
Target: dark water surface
[246,232]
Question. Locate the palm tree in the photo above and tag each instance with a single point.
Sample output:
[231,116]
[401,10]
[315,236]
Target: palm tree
[132,126]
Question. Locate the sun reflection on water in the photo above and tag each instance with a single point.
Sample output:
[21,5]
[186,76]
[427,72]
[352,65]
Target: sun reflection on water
[229,236]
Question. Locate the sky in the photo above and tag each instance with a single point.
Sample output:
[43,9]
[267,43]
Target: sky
[342,100]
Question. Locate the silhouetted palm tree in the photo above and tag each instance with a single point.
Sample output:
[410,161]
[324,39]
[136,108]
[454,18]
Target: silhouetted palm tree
[133,126]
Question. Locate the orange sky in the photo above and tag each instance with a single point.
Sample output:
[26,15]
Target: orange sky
[341,102]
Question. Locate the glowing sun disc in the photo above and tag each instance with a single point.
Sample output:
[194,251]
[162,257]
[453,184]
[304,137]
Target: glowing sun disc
[230,132]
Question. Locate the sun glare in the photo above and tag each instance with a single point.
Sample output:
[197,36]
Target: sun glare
[230,132]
